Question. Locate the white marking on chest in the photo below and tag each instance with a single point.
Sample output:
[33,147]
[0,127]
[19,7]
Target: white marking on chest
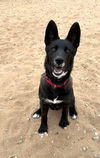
[55,101]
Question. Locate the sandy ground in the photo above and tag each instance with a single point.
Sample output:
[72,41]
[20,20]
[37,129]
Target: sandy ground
[22,27]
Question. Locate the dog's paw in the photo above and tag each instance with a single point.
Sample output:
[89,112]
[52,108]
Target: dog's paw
[43,134]
[74,117]
[73,113]
[43,130]
[36,116]
[63,123]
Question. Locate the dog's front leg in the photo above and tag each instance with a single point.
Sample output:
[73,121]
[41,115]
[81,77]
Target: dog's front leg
[43,127]
[64,117]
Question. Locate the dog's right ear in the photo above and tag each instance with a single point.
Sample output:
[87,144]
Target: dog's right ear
[51,32]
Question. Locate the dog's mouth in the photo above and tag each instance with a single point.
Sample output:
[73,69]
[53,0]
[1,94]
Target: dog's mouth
[58,70]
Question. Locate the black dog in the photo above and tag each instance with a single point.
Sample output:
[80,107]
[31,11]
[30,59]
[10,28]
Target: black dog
[56,89]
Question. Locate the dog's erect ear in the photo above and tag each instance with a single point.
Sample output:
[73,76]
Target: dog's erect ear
[74,34]
[51,32]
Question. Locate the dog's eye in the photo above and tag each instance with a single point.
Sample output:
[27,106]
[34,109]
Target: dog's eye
[54,48]
[66,50]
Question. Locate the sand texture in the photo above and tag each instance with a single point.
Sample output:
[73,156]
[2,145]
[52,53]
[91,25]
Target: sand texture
[22,27]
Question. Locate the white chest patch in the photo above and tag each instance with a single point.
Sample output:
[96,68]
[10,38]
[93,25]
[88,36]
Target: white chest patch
[54,101]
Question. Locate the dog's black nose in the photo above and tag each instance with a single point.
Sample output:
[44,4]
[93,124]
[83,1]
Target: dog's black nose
[59,61]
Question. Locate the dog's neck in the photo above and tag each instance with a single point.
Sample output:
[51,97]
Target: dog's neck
[49,81]
[56,82]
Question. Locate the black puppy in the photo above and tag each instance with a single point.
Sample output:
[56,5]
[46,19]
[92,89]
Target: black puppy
[56,91]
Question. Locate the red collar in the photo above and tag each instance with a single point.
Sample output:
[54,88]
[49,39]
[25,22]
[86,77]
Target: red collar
[55,85]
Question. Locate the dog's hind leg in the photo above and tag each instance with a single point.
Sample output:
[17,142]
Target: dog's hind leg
[37,114]
[72,108]
[73,112]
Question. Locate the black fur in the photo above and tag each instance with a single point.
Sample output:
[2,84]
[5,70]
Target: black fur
[58,53]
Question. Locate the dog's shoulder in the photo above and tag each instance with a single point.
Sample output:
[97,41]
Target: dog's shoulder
[70,83]
[42,79]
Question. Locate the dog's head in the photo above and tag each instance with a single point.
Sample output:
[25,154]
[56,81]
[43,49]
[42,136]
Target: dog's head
[60,52]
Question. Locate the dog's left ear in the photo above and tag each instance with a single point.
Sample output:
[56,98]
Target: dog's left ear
[51,32]
[74,34]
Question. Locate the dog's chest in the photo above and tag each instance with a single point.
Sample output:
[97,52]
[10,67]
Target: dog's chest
[54,104]
[54,101]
